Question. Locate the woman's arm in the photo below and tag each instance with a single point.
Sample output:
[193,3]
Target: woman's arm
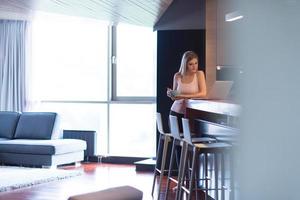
[174,87]
[175,81]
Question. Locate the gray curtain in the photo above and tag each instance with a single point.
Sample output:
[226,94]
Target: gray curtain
[12,64]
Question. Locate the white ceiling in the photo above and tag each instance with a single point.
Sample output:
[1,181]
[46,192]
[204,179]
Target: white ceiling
[139,12]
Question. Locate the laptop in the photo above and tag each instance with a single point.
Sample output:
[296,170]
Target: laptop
[220,90]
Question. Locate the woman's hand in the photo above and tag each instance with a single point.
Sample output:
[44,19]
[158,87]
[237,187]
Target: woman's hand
[169,92]
[173,94]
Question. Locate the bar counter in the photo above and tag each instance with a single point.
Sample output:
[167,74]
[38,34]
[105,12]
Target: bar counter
[224,107]
[213,117]
[222,112]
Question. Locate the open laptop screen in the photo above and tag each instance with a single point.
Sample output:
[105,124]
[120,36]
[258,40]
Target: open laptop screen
[220,90]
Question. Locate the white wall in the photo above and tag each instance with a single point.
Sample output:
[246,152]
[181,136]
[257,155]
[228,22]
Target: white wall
[269,49]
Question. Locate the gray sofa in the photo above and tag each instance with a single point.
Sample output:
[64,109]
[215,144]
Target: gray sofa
[32,139]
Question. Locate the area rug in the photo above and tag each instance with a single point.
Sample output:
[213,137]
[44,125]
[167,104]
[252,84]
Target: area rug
[12,178]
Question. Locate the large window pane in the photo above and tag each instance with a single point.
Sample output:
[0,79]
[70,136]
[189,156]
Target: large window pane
[132,130]
[82,116]
[70,76]
[135,61]
[69,58]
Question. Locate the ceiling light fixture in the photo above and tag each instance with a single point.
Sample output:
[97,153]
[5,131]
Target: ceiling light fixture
[233,16]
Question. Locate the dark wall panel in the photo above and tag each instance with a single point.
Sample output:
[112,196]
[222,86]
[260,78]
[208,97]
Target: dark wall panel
[171,44]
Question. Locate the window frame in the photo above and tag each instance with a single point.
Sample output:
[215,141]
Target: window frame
[114,82]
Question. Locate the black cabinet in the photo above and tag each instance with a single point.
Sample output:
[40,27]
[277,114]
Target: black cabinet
[88,136]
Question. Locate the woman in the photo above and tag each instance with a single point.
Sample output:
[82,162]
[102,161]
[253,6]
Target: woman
[188,82]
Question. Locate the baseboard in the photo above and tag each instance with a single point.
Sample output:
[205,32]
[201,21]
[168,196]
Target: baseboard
[114,159]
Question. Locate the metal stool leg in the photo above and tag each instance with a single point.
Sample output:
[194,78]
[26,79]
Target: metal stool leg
[158,155]
[193,174]
[222,176]
[181,172]
[216,176]
[162,158]
[163,163]
[206,175]
[232,177]
[170,168]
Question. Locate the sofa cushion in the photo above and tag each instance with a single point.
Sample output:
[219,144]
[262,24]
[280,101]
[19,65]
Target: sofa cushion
[35,125]
[8,123]
[42,147]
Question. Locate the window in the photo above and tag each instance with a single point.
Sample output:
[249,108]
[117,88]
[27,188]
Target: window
[135,53]
[70,58]
[71,75]
[134,80]
[131,130]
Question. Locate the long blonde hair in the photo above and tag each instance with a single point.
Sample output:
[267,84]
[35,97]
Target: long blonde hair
[186,57]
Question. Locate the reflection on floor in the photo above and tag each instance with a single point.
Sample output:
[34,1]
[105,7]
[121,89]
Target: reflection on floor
[96,176]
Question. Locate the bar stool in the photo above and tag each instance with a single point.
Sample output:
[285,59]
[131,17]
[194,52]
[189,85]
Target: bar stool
[161,155]
[226,134]
[177,143]
[196,149]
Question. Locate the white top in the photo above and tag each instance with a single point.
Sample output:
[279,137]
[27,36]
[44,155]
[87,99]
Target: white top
[184,88]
